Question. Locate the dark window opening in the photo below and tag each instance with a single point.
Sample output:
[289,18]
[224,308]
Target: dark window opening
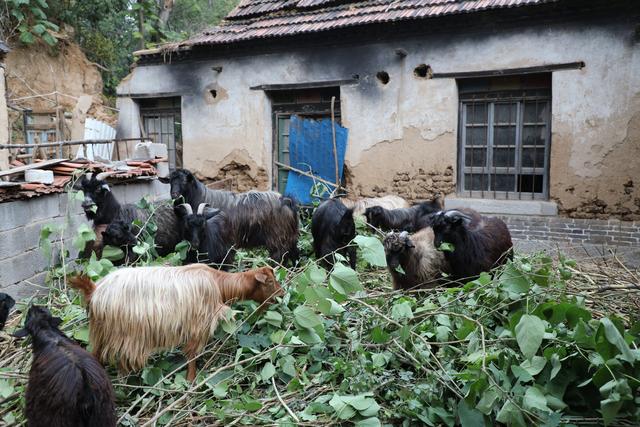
[504,137]
[162,122]
[307,103]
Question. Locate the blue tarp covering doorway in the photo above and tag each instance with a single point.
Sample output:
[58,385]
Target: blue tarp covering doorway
[311,150]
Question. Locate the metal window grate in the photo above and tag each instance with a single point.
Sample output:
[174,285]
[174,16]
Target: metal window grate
[162,123]
[504,141]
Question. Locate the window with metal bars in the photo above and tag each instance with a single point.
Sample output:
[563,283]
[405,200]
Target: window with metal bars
[504,140]
[162,124]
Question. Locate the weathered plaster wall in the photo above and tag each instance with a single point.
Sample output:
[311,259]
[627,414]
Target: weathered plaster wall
[403,135]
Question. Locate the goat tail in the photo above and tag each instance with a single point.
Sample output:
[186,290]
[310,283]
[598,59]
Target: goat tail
[290,202]
[84,284]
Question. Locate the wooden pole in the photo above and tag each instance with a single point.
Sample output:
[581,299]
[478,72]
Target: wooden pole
[301,172]
[335,148]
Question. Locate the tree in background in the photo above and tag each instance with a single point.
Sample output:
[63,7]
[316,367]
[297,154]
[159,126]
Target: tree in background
[109,31]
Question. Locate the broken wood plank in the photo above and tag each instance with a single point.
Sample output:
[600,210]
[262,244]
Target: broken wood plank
[38,165]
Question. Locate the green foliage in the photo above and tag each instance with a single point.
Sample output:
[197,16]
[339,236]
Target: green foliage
[30,19]
[512,347]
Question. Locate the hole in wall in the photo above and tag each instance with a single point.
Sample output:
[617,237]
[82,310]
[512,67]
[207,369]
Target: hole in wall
[383,77]
[423,71]
[213,93]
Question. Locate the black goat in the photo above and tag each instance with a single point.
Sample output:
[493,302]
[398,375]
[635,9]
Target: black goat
[208,232]
[6,302]
[404,219]
[333,227]
[123,234]
[257,218]
[480,243]
[102,207]
[67,385]
[420,261]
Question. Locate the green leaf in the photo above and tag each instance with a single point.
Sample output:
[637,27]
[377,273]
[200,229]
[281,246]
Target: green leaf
[342,409]
[372,250]
[151,375]
[529,333]
[112,253]
[446,247]
[401,311]
[38,29]
[344,280]
[273,318]
[469,417]
[535,365]
[368,422]
[513,281]
[6,388]
[609,409]
[27,38]
[614,336]
[306,317]
[489,398]
[510,414]
[534,399]
[85,234]
[82,334]
[555,366]
[316,274]
[379,336]
[268,371]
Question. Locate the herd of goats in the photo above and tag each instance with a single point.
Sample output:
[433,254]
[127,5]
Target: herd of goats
[182,305]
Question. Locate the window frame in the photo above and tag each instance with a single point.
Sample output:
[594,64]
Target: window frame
[282,110]
[490,99]
[173,113]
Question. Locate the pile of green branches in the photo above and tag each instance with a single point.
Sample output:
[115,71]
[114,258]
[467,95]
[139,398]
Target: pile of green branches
[536,342]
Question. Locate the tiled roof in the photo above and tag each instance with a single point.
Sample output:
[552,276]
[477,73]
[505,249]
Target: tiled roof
[63,174]
[260,19]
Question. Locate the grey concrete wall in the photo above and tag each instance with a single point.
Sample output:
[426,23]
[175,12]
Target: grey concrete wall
[22,264]
[408,127]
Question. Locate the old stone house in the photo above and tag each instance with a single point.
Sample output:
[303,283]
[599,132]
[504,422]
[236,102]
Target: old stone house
[510,106]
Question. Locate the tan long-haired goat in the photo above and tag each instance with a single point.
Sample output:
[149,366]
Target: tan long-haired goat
[136,311]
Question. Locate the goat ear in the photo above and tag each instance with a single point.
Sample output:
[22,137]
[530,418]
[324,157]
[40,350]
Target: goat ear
[164,179]
[55,321]
[261,277]
[21,333]
[409,244]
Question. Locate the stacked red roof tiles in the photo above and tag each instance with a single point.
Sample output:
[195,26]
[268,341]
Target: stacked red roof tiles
[63,174]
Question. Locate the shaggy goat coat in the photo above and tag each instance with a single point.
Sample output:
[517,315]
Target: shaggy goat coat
[421,262]
[136,311]
[257,218]
[387,202]
[332,228]
[480,243]
[410,219]
[67,385]
[6,302]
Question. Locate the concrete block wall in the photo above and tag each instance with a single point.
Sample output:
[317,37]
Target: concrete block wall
[22,265]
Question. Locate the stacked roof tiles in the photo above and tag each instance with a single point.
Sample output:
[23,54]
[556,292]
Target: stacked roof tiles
[260,19]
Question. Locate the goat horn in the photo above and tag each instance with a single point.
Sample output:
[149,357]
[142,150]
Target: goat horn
[187,207]
[201,207]
[102,175]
